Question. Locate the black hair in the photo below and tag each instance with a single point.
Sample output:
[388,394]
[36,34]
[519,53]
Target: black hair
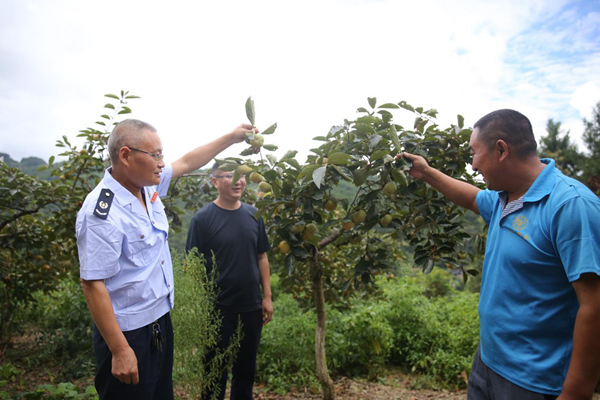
[512,127]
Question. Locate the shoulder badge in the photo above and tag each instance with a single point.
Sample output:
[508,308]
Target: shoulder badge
[103,204]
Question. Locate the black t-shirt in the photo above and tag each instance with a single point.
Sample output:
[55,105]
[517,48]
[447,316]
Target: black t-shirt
[236,238]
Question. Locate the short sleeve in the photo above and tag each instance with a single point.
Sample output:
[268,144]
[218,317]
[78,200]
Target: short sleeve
[194,236]
[99,247]
[263,244]
[575,231]
[486,201]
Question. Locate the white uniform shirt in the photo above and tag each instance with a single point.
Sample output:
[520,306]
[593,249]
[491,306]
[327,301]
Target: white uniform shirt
[129,250]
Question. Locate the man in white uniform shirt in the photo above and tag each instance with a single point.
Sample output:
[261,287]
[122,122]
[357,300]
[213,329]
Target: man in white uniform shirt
[125,263]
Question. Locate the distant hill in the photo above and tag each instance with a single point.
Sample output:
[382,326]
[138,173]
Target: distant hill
[28,165]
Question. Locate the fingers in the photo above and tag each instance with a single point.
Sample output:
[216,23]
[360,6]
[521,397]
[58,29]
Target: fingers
[132,377]
[267,315]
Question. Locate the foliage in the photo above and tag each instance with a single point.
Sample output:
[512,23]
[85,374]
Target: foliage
[561,149]
[65,329]
[591,137]
[61,391]
[286,355]
[436,336]
[196,324]
[304,216]
[37,217]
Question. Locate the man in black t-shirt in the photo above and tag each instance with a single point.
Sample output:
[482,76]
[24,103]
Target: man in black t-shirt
[227,227]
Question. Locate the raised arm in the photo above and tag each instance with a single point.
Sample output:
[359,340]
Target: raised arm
[458,192]
[200,156]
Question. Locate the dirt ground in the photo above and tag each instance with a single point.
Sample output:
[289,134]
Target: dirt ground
[396,386]
[351,389]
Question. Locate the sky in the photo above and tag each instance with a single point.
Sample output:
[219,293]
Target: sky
[307,65]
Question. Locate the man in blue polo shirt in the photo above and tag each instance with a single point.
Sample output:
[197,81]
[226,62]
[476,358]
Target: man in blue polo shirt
[125,264]
[540,293]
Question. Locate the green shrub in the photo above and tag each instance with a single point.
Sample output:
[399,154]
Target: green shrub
[64,328]
[286,356]
[436,336]
[359,341]
[196,327]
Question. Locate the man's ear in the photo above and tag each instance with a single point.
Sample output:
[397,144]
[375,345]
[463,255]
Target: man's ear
[124,154]
[502,149]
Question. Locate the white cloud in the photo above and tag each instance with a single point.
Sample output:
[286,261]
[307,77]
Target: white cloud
[307,65]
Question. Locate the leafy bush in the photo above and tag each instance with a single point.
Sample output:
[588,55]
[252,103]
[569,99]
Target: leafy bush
[360,341]
[65,328]
[196,327]
[436,336]
[406,326]
[286,356]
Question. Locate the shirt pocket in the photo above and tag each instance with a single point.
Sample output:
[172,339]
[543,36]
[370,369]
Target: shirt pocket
[138,245]
[159,217]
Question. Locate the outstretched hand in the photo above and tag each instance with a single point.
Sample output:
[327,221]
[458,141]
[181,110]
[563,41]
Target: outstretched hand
[240,132]
[418,165]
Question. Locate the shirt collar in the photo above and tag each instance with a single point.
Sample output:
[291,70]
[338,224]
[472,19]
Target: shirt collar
[541,187]
[123,196]
[544,183]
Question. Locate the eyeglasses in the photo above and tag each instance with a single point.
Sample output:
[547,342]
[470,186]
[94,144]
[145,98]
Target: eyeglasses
[229,176]
[157,157]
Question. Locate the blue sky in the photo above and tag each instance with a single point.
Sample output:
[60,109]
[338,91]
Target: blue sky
[308,65]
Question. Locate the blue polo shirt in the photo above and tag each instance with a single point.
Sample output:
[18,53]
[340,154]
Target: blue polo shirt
[129,251]
[528,306]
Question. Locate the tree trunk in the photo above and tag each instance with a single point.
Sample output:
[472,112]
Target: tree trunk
[321,360]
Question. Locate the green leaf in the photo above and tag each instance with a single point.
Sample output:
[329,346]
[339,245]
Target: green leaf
[132,97]
[51,160]
[236,177]
[112,96]
[372,101]
[393,134]
[108,105]
[379,155]
[360,176]
[344,172]
[289,154]
[428,268]
[320,138]
[461,121]
[388,105]
[339,158]
[368,119]
[406,106]
[270,129]
[362,109]
[293,163]
[250,110]
[432,112]
[307,171]
[272,159]
[319,175]
[247,152]
[105,116]
[270,147]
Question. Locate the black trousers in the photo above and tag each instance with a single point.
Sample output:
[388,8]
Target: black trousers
[155,367]
[244,368]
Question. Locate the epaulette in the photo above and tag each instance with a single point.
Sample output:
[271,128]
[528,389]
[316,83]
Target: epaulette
[103,204]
